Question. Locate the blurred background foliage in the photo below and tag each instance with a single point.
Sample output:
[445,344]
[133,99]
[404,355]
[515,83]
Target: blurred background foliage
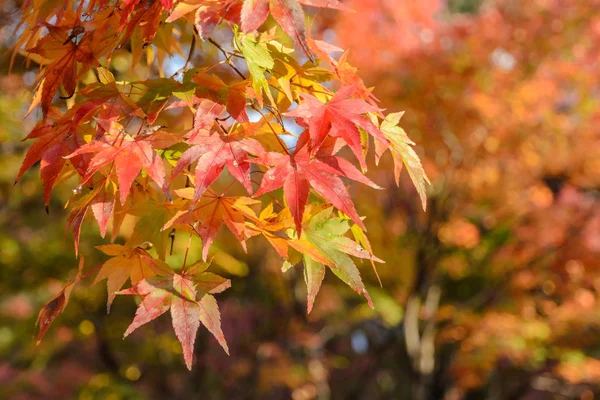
[491,294]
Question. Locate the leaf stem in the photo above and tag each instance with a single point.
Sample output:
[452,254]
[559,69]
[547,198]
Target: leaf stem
[283,145]
[187,250]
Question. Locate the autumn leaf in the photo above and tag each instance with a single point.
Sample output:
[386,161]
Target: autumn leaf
[259,60]
[212,94]
[103,205]
[54,141]
[152,216]
[270,224]
[80,204]
[65,54]
[56,305]
[403,153]
[167,4]
[339,117]
[205,118]
[298,172]
[273,226]
[254,14]
[139,25]
[327,235]
[208,13]
[210,213]
[314,273]
[189,307]
[207,281]
[127,263]
[129,155]
[214,153]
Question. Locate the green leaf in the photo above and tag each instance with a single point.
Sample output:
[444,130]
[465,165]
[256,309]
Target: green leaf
[259,60]
[256,52]
[314,273]
[327,235]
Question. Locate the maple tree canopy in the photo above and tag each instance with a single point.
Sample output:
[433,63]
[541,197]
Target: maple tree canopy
[312,124]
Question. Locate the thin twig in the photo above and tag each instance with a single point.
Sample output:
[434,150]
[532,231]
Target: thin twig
[228,56]
[283,146]
[188,62]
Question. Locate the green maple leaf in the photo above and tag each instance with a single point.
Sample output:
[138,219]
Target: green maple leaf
[259,60]
[327,236]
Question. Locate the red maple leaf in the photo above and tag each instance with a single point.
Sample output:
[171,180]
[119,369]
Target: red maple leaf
[298,172]
[209,215]
[56,305]
[56,140]
[214,152]
[189,306]
[204,118]
[65,55]
[129,155]
[103,205]
[339,117]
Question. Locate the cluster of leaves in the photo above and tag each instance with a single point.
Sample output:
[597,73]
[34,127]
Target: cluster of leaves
[117,138]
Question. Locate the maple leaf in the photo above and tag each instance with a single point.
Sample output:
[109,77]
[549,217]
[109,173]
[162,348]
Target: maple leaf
[91,139]
[207,282]
[127,263]
[326,234]
[342,69]
[112,97]
[210,213]
[259,60]
[268,224]
[208,13]
[298,172]
[65,54]
[288,13]
[56,305]
[129,155]
[214,153]
[204,118]
[340,117]
[404,155]
[189,307]
[56,140]
[362,239]
[314,273]
[139,24]
[274,225]
[103,205]
[129,5]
